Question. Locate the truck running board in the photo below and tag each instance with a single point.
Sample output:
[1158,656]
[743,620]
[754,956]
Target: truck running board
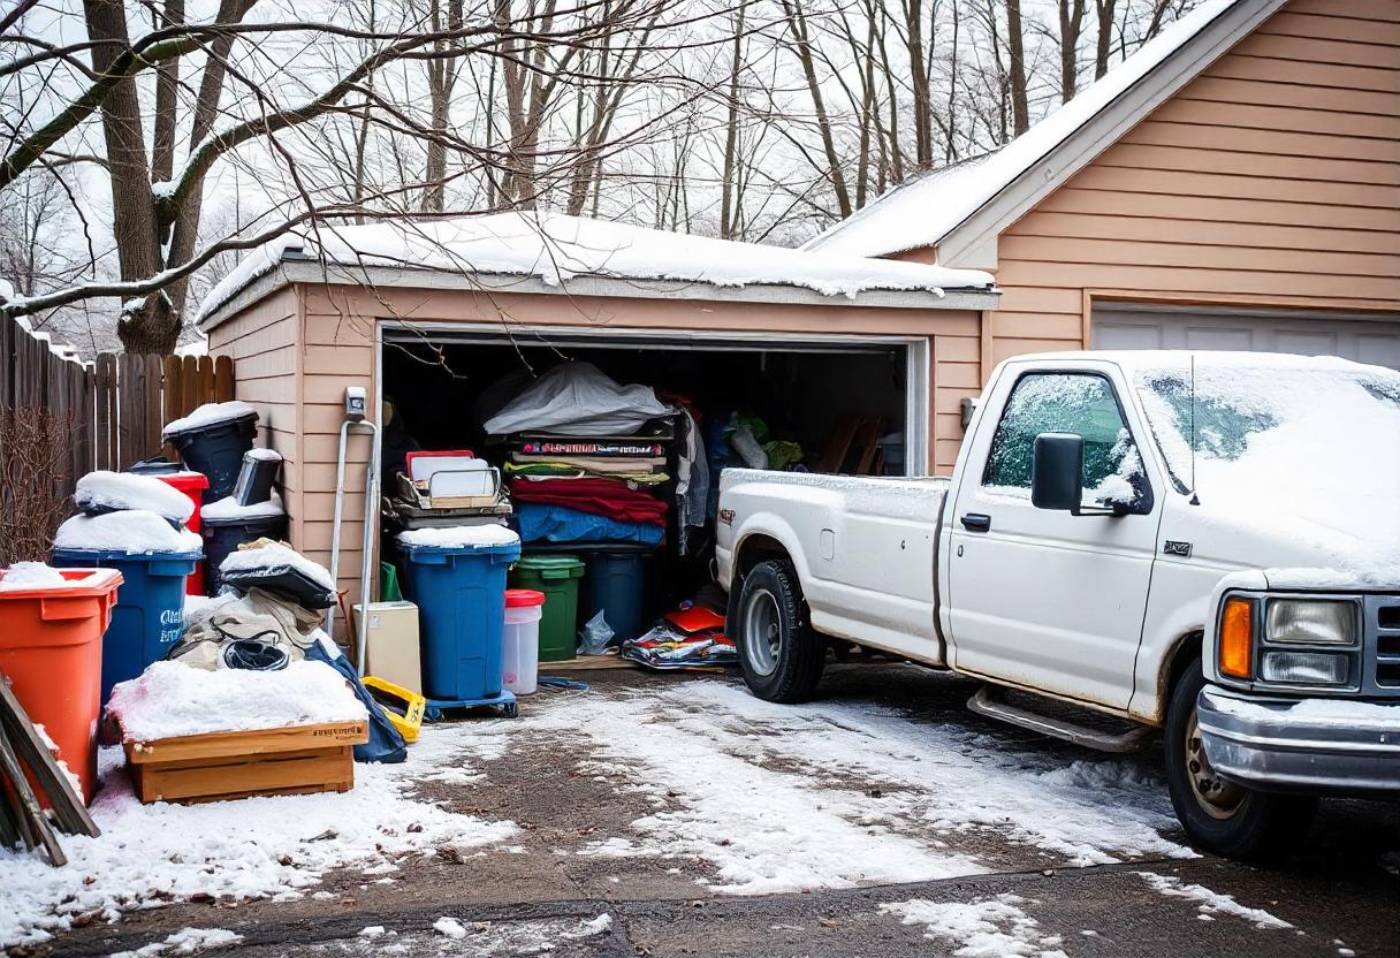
[989,702]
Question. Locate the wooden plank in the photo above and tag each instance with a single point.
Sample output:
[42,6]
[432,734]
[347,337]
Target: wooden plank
[104,402]
[8,329]
[867,446]
[189,386]
[204,374]
[255,742]
[170,390]
[150,440]
[838,444]
[129,410]
[223,379]
[28,804]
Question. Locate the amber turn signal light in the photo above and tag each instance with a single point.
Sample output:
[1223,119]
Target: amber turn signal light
[1236,645]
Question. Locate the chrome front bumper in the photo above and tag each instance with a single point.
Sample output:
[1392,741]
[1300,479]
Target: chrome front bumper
[1301,744]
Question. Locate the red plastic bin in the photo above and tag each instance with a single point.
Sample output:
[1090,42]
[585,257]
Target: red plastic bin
[51,654]
[193,485]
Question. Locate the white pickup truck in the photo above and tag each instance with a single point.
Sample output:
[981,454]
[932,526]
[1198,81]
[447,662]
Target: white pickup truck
[1206,544]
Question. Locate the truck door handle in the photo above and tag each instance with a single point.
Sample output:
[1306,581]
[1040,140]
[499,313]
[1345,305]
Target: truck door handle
[976,522]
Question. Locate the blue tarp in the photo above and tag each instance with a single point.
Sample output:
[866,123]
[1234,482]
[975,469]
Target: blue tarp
[544,523]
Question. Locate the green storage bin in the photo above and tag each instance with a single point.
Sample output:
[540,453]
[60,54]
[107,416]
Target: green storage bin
[557,577]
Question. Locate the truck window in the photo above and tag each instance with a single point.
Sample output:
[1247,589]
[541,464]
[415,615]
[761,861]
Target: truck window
[1079,403]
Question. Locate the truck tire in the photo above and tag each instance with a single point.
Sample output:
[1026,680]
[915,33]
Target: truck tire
[781,657]
[1220,816]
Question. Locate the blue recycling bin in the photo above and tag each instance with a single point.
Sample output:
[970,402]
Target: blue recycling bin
[460,592]
[149,615]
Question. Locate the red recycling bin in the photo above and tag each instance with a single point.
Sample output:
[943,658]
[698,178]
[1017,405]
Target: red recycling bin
[51,654]
[193,485]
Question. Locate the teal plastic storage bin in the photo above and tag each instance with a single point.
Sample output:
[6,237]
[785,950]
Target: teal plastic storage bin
[149,615]
[460,592]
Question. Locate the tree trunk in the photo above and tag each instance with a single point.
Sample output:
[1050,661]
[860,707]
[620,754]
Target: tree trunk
[1104,40]
[731,131]
[1071,28]
[797,23]
[918,81]
[167,88]
[1016,66]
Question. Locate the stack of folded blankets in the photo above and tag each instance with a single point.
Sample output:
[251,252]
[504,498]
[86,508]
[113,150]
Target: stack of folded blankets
[584,463]
[569,489]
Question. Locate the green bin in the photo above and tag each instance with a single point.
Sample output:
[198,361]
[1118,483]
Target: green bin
[557,577]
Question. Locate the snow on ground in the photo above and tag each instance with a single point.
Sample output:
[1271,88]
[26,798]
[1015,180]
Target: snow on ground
[990,928]
[188,941]
[149,855]
[763,792]
[1212,903]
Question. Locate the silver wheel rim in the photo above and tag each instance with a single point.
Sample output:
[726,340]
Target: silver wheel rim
[1217,798]
[762,632]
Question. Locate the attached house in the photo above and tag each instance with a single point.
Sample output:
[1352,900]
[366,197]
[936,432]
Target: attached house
[1235,184]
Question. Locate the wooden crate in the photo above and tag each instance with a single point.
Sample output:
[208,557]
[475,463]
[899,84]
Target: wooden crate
[294,760]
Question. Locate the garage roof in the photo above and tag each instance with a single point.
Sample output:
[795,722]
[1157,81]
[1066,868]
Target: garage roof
[553,253]
[960,208]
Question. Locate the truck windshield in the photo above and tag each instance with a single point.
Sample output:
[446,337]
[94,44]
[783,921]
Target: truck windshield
[1274,423]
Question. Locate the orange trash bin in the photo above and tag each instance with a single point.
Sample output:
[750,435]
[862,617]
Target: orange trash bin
[51,654]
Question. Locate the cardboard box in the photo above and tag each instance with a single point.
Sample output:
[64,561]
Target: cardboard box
[391,643]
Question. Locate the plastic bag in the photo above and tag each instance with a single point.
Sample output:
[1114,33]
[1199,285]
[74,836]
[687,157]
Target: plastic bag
[595,636]
[577,399]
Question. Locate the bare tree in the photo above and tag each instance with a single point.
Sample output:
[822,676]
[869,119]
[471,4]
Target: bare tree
[1071,29]
[1016,68]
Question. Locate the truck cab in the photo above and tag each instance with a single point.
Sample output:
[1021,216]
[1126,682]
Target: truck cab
[1206,544]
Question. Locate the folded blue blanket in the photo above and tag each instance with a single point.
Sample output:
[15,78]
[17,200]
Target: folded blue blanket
[544,523]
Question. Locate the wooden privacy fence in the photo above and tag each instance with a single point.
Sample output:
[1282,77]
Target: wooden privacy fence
[135,395]
[116,406]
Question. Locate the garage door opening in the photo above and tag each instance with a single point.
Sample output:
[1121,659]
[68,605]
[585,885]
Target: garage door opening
[832,405]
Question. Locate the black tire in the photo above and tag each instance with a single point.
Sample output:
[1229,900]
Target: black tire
[788,666]
[1232,821]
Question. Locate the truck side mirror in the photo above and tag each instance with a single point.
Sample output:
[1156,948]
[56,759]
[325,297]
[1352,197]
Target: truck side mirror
[1057,472]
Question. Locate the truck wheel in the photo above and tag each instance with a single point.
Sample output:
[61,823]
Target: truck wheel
[780,655]
[1218,815]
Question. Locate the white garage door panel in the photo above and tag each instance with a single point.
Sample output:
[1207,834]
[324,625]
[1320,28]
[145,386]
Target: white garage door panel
[1367,340]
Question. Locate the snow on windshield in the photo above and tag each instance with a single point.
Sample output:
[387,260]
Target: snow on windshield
[1307,444]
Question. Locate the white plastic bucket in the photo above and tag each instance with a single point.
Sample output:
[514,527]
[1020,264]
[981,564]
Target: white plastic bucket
[520,652]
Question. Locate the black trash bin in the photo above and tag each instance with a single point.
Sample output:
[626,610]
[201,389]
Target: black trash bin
[156,466]
[225,533]
[257,477]
[212,440]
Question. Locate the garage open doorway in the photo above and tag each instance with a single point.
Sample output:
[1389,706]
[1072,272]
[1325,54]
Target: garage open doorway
[836,404]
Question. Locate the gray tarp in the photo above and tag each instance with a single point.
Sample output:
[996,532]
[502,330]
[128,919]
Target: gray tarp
[578,399]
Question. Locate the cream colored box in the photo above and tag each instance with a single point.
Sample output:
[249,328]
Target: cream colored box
[391,643]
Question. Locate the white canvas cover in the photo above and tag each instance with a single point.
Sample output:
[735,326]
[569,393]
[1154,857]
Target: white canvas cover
[578,399]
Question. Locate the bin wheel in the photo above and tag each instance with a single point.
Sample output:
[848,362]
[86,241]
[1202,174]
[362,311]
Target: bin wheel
[510,710]
[432,714]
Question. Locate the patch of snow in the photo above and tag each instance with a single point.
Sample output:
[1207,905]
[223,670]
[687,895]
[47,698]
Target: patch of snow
[228,508]
[990,928]
[372,931]
[187,941]
[32,575]
[262,847]
[556,248]
[262,454]
[1340,713]
[134,532]
[126,490]
[207,415]
[921,211]
[450,927]
[196,347]
[274,555]
[460,537]
[1212,903]
[171,699]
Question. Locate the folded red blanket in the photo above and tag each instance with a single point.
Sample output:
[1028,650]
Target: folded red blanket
[604,497]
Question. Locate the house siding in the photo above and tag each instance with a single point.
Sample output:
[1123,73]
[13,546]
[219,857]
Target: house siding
[1272,179]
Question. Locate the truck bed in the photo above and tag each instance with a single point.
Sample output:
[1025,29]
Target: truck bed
[863,548]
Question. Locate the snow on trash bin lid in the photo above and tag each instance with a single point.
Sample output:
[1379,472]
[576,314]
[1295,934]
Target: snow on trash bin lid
[133,531]
[274,555]
[209,414]
[459,537]
[104,491]
[227,510]
[171,699]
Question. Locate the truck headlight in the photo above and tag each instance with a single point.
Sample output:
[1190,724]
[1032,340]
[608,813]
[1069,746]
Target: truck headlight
[1311,622]
[1305,668]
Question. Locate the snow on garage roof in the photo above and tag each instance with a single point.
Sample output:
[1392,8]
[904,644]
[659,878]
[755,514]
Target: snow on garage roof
[556,249]
[923,211]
